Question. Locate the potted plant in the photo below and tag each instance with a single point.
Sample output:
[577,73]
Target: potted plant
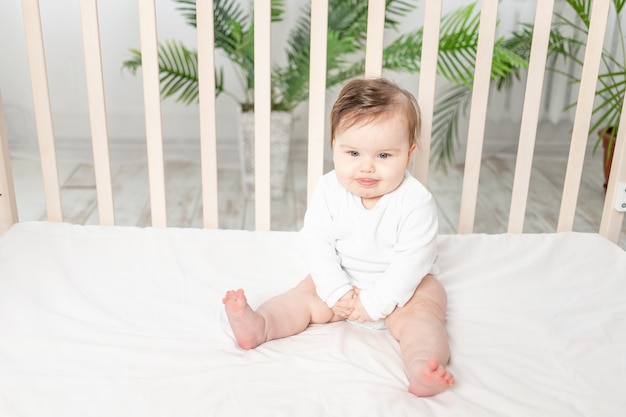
[347,27]
[611,80]
[567,42]
[458,45]
[234,35]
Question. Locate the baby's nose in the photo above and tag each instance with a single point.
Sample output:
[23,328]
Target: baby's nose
[367,165]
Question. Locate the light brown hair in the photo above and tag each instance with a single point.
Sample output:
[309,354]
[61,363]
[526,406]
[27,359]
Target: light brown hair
[363,100]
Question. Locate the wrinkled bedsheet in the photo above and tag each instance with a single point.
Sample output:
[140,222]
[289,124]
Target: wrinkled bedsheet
[121,321]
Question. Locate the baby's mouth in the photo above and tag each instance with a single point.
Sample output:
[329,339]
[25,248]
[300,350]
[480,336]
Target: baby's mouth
[366,182]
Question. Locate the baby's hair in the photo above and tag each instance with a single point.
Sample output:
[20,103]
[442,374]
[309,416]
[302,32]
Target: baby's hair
[363,100]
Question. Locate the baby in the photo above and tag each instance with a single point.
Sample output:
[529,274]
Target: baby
[370,233]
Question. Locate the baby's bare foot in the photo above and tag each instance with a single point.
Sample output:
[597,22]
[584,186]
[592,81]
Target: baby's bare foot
[247,325]
[431,379]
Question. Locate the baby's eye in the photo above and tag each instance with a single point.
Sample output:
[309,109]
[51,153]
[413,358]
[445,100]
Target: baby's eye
[353,153]
[384,155]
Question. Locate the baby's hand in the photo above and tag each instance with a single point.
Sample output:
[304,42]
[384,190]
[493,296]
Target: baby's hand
[345,305]
[359,314]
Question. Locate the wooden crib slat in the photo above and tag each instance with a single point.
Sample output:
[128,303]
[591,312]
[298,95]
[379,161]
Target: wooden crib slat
[612,220]
[8,205]
[582,118]
[43,115]
[427,82]
[208,131]
[152,109]
[375,37]
[478,113]
[262,112]
[530,114]
[97,111]
[317,93]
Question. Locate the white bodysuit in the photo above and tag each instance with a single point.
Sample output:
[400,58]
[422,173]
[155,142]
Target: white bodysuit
[385,251]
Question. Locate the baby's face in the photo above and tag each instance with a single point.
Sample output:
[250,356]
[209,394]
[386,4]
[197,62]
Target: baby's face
[371,159]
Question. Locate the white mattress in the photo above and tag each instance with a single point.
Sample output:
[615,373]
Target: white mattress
[98,321]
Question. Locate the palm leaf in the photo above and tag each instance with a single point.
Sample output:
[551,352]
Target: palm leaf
[133,63]
[452,103]
[347,28]
[456,62]
[178,69]
[226,10]
[458,44]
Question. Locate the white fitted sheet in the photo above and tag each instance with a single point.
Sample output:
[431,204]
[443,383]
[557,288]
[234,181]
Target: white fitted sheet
[119,321]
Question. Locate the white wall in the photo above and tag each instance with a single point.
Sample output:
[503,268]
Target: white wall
[119,32]
[62,38]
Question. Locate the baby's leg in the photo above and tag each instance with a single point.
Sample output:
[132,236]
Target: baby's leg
[419,326]
[284,315]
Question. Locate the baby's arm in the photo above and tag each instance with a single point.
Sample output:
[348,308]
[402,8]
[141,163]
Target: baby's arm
[414,254]
[331,281]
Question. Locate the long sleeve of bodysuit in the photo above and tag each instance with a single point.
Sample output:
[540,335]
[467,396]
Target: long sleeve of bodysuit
[385,251]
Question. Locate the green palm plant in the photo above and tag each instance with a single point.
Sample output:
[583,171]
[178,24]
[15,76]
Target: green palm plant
[567,42]
[347,28]
[458,44]
[612,77]
[234,35]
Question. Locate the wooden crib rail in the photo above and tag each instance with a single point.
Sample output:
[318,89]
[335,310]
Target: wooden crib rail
[530,114]
[317,95]
[611,222]
[97,113]
[8,206]
[43,114]
[152,105]
[599,14]
[478,115]
[206,102]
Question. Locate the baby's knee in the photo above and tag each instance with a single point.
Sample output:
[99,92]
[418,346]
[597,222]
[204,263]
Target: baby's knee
[429,300]
[320,312]
[431,291]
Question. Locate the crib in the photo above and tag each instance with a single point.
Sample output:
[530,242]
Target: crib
[117,320]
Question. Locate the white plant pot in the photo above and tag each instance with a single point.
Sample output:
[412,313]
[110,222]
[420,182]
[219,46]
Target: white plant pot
[280,130]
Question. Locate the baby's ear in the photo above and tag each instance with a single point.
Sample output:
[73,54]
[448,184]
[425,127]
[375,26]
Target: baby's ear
[411,150]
